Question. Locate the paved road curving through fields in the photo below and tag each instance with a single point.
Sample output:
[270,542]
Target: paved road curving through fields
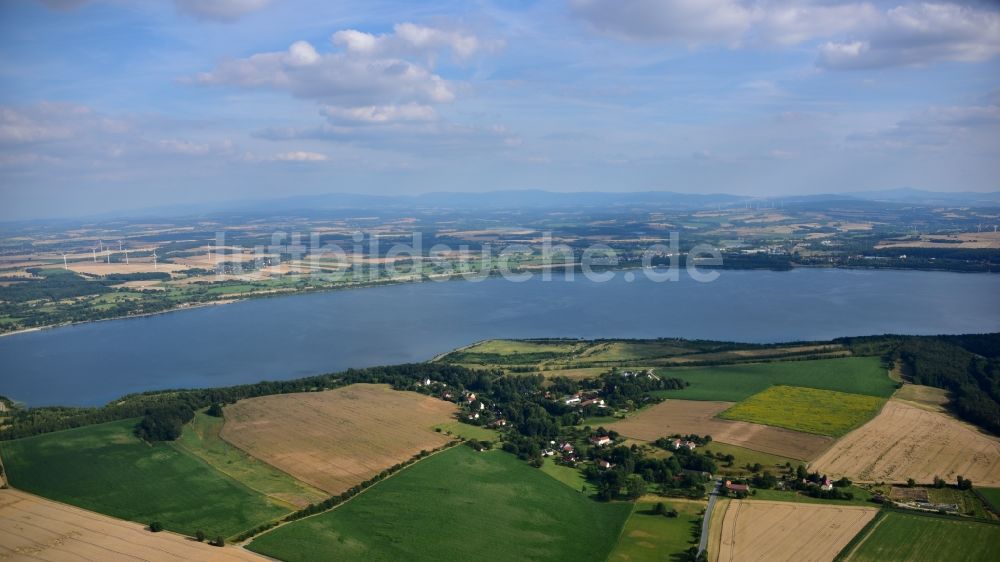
[703,542]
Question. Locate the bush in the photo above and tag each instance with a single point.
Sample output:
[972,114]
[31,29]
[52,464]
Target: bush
[156,526]
[200,535]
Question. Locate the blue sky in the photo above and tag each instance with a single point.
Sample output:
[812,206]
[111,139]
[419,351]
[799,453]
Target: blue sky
[122,104]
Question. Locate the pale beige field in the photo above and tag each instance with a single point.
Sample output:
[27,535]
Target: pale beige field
[926,397]
[905,441]
[337,438]
[966,241]
[138,265]
[33,528]
[769,531]
[689,416]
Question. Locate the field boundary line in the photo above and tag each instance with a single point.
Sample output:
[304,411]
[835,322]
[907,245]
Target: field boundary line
[857,540]
[282,522]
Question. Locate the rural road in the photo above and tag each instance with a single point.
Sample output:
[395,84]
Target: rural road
[703,543]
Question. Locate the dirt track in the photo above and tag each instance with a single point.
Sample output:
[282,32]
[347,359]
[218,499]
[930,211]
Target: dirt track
[33,528]
[338,438]
[769,531]
[690,416]
[905,441]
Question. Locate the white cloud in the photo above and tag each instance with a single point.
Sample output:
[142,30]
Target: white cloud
[850,34]
[408,39]
[219,10]
[919,34]
[334,78]
[936,127]
[50,121]
[380,113]
[301,156]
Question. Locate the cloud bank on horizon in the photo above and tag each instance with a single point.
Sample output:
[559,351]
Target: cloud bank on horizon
[114,104]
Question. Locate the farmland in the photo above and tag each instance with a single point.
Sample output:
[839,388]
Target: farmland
[201,439]
[34,528]
[823,412]
[457,505]
[104,468]
[688,416]
[764,530]
[906,537]
[651,536]
[905,441]
[337,438]
[743,456]
[732,383]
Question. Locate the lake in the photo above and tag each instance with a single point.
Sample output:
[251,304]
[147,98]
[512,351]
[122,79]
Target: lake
[293,336]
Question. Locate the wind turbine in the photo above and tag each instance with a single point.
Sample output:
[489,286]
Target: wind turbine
[119,245]
[94,250]
[109,255]
[126,257]
[65,264]
[154,259]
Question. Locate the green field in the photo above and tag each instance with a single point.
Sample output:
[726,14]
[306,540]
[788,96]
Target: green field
[823,412]
[861,497]
[456,505]
[201,439]
[466,431]
[992,495]
[648,536]
[744,456]
[917,538]
[732,383]
[571,477]
[104,468]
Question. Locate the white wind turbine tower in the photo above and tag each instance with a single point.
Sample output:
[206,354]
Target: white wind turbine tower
[65,264]
[94,250]
[119,245]
[126,256]
[154,259]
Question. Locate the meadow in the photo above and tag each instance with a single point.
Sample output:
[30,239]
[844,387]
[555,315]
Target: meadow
[743,456]
[201,439]
[992,496]
[821,412]
[457,505]
[651,536]
[104,468]
[732,383]
[920,538]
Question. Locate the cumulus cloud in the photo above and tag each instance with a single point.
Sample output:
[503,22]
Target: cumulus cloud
[919,34]
[411,39]
[350,78]
[850,35]
[219,10]
[374,114]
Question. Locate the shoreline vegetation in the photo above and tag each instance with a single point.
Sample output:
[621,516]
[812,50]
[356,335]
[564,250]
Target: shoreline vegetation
[456,277]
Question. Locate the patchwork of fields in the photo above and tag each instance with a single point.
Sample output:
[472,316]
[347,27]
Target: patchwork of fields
[906,537]
[337,438]
[33,528]
[763,530]
[823,412]
[457,505]
[905,441]
[688,416]
[105,468]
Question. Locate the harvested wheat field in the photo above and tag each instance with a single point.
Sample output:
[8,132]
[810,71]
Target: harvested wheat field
[337,438]
[776,531]
[690,416]
[905,441]
[33,528]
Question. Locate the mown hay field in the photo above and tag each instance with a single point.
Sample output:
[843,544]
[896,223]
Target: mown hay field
[905,441]
[336,439]
[33,528]
[457,505]
[777,531]
[823,412]
[105,468]
[690,416]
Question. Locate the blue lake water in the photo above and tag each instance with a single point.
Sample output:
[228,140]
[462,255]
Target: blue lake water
[293,336]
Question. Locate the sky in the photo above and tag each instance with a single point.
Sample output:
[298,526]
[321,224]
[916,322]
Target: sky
[111,105]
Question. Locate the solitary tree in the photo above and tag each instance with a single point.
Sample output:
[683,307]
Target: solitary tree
[200,535]
[156,526]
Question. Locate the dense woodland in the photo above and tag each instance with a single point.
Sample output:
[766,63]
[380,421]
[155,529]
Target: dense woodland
[967,366]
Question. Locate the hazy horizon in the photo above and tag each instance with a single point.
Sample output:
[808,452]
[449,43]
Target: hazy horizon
[112,106]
